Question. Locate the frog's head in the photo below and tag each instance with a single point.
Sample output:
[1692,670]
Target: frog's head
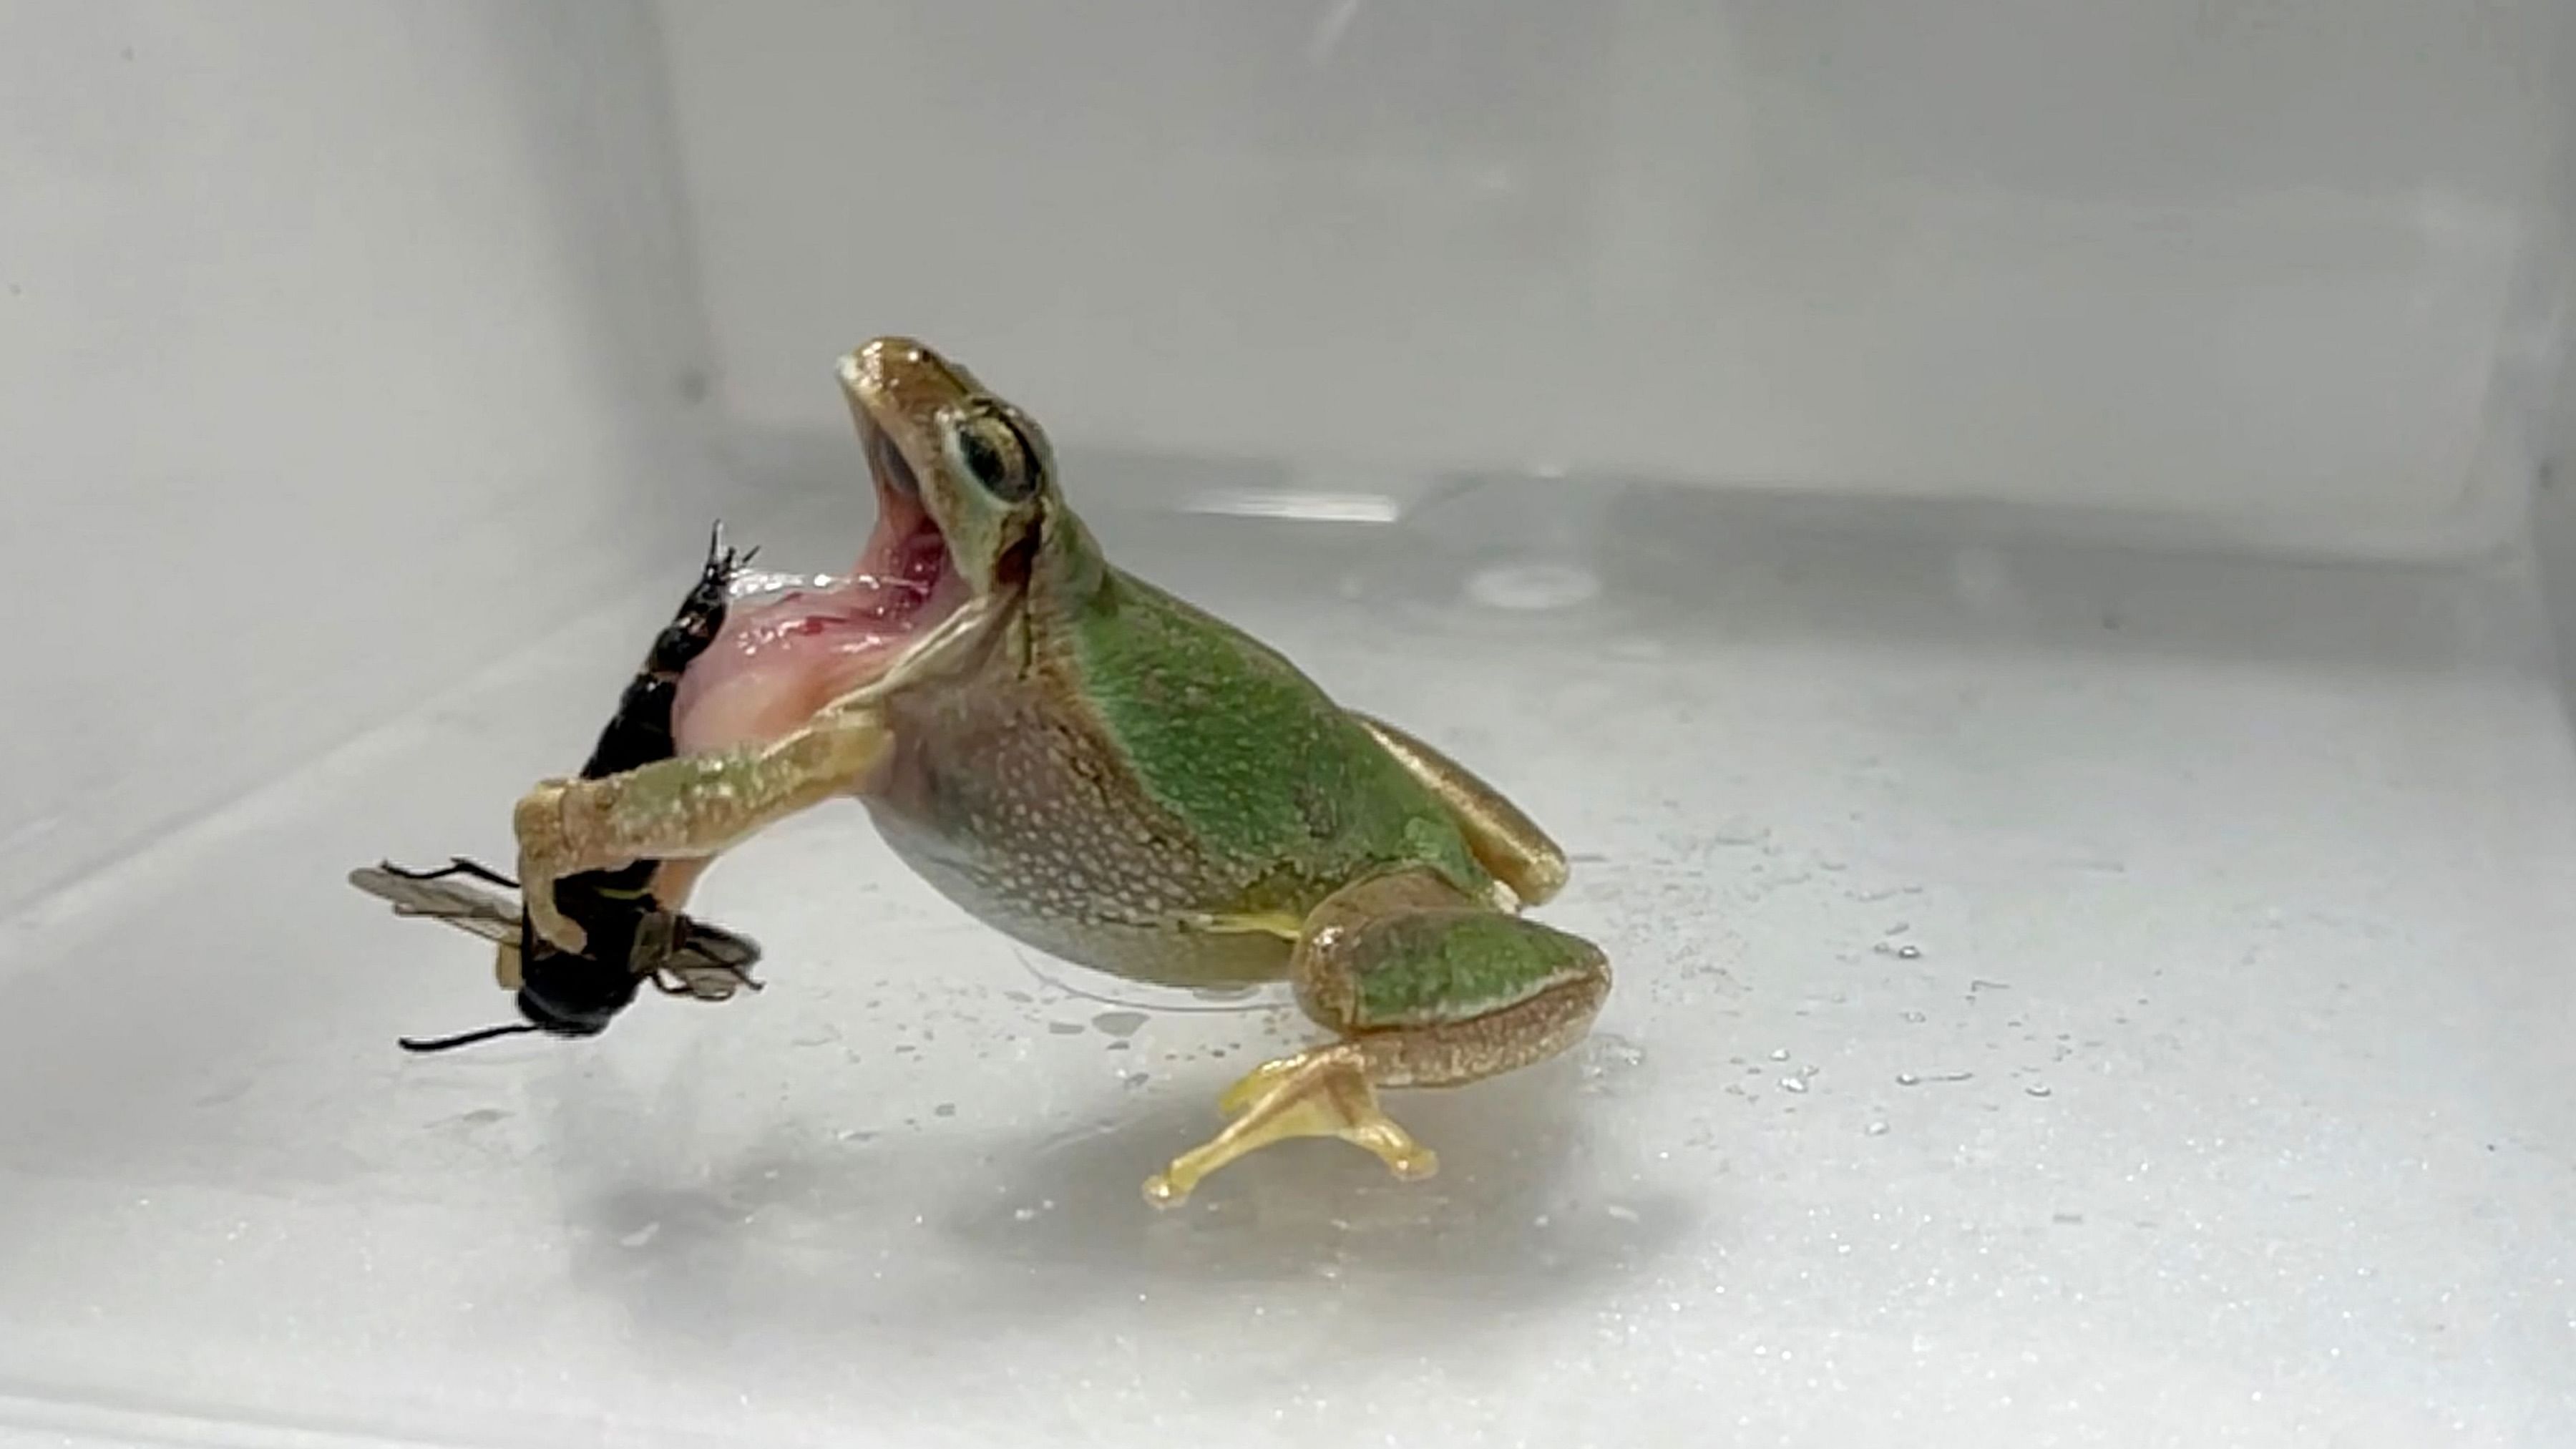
[955,466]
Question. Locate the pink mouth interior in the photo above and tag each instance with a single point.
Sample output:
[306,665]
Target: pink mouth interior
[783,656]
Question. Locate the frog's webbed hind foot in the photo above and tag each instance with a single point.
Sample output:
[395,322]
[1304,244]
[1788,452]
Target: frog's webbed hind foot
[1427,987]
[1319,1093]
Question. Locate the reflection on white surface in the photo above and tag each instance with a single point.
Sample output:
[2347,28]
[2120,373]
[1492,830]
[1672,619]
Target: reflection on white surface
[1300,504]
[1533,586]
[2136,1017]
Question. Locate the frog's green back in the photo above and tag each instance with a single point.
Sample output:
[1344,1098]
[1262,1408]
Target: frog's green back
[1251,755]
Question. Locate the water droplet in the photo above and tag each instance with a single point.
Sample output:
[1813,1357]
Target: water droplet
[1876,1129]
[854,1134]
[1024,1214]
[641,1236]
[1119,1023]
[1622,1212]
[1793,1084]
[1779,1054]
[1908,951]
[1907,1079]
[1606,1057]
[2036,1089]
[1616,1051]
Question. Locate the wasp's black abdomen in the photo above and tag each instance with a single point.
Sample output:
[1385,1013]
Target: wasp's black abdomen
[639,733]
[573,994]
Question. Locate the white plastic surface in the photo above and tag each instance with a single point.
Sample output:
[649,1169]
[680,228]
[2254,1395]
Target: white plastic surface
[2068,994]
[334,338]
[2271,268]
[2065,997]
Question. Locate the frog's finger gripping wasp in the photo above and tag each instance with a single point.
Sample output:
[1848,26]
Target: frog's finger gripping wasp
[631,939]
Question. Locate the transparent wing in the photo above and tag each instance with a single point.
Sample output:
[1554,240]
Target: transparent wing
[713,947]
[467,908]
[710,961]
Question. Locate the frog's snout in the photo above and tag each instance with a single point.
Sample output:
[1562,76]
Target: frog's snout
[880,353]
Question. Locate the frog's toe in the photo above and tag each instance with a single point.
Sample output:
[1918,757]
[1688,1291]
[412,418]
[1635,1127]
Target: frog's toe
[545,856]
[1320,1093]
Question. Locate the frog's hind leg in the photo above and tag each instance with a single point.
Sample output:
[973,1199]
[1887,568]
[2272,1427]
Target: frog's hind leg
[1503,840]
[1427,987]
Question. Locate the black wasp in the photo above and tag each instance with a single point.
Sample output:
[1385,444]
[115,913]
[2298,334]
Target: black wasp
[629,938]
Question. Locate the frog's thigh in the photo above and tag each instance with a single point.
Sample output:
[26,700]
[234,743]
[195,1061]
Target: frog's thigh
[1426,988]
[1438,989]
[1504,840]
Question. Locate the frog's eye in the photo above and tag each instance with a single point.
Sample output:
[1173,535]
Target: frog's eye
[997,454]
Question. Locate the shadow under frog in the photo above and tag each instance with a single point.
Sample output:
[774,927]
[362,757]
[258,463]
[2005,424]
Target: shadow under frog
[1341,1259]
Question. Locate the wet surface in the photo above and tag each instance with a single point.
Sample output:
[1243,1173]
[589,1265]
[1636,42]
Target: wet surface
[2061,992]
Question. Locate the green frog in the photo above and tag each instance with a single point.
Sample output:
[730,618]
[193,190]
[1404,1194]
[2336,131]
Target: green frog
[1106,773]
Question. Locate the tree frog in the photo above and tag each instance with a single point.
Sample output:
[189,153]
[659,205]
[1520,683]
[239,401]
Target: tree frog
[1106,773]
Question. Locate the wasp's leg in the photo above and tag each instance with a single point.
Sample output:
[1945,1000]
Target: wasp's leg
[456,865]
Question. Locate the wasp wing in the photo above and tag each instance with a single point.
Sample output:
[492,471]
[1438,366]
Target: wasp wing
[710,961]
[465,907]
[713,947]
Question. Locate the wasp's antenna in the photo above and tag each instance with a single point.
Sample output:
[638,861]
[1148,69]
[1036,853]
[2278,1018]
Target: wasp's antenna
[732,561]
[465,1038]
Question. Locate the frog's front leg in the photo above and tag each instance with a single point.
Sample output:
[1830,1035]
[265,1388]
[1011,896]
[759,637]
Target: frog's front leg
[686,808]
[1427,987]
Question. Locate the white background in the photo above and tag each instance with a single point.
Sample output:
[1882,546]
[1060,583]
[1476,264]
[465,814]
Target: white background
[338,337]
[335,341]
[2232,260]
[2070,991]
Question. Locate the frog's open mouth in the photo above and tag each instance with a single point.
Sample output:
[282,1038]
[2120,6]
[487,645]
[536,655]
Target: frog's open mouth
[905,568]
[797,644]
